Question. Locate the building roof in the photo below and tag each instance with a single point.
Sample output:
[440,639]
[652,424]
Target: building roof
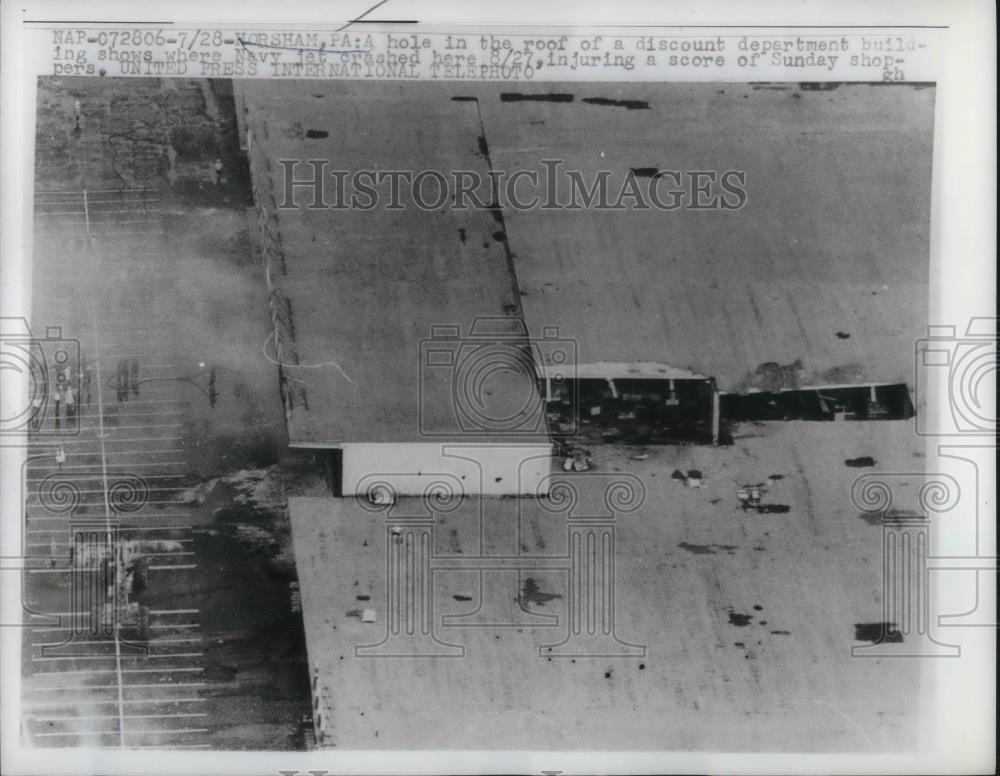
[747,620]
[823,271]
[834,236]
[363,288]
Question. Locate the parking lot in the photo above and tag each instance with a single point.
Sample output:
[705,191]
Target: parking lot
[164,404]
[85,686]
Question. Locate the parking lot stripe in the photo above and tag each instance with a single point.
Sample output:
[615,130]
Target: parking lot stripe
[109,438]
[157,489]
[145,477]
[174,611]
[141,425]
[178,627]
[127,701]
[82,733]
[124,452]
[97,671]
[51,628]
[82,466]
[63,547]
[116,657]
[167,413]
[131,515]
[94,319]
[122,528]
[75,642]
[175,715]
[151,611]
[75,687]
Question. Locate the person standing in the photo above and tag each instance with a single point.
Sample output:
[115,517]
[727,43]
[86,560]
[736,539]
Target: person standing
[133,372]
[36,413]
[121,380]
[59,395]
[61,457]
[212,393]
[85,387]
[70,400]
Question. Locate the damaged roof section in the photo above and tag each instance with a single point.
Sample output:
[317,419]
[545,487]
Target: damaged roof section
[607,370]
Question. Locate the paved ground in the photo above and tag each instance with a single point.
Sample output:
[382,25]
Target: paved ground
[747,619]
[94,690]
[171,283]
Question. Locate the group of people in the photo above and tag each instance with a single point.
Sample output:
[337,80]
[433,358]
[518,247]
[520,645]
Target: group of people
[68,395]
[71,392]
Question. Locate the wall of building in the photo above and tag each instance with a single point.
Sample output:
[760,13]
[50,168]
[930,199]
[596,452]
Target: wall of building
[451,469]
[268,240]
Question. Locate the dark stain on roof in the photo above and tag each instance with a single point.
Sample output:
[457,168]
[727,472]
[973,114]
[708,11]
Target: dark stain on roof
[549,97]
[819,86]
[627,104]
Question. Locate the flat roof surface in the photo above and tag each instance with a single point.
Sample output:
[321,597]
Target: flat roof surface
[365,287]
[834,236]
[747,620]
[826,264]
